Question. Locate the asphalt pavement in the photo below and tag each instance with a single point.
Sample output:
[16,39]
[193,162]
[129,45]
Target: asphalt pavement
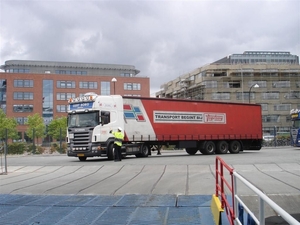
[173,188]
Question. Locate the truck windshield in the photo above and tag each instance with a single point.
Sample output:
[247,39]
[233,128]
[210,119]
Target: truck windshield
[296,124]
[90,119]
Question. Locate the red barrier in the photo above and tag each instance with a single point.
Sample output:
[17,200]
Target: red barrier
[221,182]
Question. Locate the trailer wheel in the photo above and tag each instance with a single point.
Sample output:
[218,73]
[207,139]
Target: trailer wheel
[110,151]
[191,151]
[209,148]
[144,150]
[82,158]
[235,147]
[222,147]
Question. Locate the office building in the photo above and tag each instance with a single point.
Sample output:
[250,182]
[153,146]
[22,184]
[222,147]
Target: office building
[28,87]
[271,79]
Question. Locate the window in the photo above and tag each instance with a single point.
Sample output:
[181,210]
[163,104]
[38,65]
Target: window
[210,84]
[292,95]
[105,88]
[232,84]
[17,71]
[61,108]
[282,107]
[21,120]
[65,84]
[132,86]
[23,96]
[261,83]
[270,118]
[72,72]
[126,74]
[88,85]
[221,96]
[244,96]
[23,83]
[65,96]
[105,117]
[281,84]
[23,108]
[264,106]
[270,95]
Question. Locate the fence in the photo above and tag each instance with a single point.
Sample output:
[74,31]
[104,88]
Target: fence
[232,209]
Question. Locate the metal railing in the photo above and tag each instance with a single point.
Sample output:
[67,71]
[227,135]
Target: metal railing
[232,211]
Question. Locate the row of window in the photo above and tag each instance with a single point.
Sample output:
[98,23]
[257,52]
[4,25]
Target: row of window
[245,95]
[248,61]
[82,84]
[71,72]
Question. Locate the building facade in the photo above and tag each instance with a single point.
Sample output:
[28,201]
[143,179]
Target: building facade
[29,87]
[271,79]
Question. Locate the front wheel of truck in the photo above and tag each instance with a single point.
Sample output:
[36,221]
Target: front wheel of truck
[110,151]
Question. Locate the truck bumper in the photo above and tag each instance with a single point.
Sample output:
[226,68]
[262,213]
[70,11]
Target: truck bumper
[87,154]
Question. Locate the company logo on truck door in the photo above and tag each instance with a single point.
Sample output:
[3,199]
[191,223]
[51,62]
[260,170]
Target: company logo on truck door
[133,112]
[188,117]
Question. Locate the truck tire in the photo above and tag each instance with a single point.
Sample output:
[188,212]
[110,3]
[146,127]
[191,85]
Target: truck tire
[191,151]
[110,151]
[209,148]
[222,147]
[82,158]
[144,151]
[235,147]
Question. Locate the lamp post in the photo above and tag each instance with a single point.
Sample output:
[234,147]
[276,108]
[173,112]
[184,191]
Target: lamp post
[255,86]
[114,80]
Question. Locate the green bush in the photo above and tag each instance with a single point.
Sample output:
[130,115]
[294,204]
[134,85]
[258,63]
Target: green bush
[17,148]
[37,149]
[55,147]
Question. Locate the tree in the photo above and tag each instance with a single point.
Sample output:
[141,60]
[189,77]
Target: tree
[36,127]
[57,128]
[9,124]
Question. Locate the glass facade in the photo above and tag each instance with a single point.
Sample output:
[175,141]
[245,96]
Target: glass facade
[3,95]
[47,101]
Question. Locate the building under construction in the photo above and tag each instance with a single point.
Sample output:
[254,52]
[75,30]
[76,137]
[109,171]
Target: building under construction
[271,79]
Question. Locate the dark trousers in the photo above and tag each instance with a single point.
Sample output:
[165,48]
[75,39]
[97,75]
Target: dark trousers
[118,154]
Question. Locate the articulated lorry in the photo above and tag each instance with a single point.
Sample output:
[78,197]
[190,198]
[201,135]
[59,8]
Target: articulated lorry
[205,126]
[295,129]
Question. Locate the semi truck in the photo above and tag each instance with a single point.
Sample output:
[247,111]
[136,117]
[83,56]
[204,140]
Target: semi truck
[295,129]
[205,126]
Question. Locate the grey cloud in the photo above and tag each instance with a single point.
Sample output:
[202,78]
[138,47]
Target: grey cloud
[163,39]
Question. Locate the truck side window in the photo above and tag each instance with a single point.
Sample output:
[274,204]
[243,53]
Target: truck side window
[105,117]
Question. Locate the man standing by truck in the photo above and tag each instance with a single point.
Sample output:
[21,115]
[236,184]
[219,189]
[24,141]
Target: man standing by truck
[119,136]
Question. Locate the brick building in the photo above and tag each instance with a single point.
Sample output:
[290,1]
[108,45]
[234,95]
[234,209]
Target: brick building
[29,87]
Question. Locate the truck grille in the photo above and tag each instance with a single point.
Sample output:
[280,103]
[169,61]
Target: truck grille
[80,141]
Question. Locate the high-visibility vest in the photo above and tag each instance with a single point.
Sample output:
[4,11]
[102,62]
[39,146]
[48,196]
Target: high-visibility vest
[119,136]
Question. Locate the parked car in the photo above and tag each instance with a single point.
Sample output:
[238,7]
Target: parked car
[268,138]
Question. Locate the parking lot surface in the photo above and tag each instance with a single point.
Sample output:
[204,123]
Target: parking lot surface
[173,188]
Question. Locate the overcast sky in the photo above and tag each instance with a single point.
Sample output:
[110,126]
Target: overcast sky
[162,39]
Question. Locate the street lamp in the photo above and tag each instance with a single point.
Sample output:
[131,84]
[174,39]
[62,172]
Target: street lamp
[114,80]
[255,86]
